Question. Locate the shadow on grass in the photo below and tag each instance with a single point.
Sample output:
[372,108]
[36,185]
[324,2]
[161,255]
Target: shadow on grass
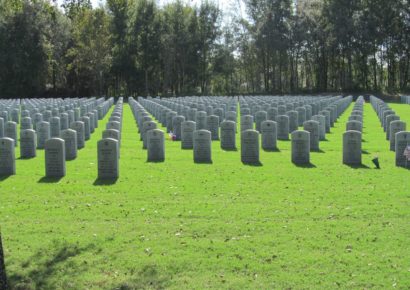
[365,152]
[253,164]
[4,177]
[149,277]
[47,265]
[358,166]
[46,179]
[231,149]
[155,161]
[306,165]
[204,162]
[26,158]
[102,182]
[272,150]
[318,151]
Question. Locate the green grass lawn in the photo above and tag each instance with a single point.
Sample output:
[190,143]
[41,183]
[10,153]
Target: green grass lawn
[181,225]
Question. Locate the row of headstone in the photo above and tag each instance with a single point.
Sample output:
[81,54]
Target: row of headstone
[153,138]
[395,129]
[184,130]
[59,145]
[352,138]
[108,148]
[405,99]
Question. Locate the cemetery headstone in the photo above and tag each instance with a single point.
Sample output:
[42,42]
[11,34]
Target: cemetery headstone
[187,134]
[269,135]
[7,157]
[202,146]
[250,147]
[55,157]
[108,159]
[300,147]
[228,135]
[352,148]
[28,143]
[156,145]
[70,139]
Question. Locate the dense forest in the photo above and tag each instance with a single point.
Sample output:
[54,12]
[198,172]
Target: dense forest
[138,47]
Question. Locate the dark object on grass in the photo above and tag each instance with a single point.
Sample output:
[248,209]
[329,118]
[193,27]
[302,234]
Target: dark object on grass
[375,161]
[3,276]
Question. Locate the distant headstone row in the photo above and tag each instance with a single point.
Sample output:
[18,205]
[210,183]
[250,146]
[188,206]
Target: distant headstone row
[352,138]
[108,148]
[193,120]
[405,99]
[60,127]
[395,130]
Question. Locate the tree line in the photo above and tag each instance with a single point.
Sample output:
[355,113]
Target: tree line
[136,47]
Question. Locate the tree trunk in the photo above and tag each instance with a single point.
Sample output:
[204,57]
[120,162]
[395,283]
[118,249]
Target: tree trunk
[3,276]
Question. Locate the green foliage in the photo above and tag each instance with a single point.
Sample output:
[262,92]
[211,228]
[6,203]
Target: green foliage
[132,47]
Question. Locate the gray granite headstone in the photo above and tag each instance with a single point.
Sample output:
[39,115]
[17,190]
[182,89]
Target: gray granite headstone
[352,148]
[327,117]
[201,120]
[246,123]
[70,138]
[64,125]
[228,135]
[1,127]
[402,141]
[169,118]
[389,119]
[7,157]
[293,120]
[15,115]
[322,126]
[55,157]
[146,127]
[192,114]
[395,127]
[354,126]
[43,134]
[281,110]
[28,143]
[38,117]
[301,115]
[300,147]
[10,131]
[230,116]
[202,146]
[115,125]
[108,159]
[213,126]
[87,129]
[78,126]
[55,127]
[155,145]
[313,128]
[250,146]
[177,126]
[260,117]
[283,127]
[269,133]
[187,134]
[272,114]
[26,123]
[5,116]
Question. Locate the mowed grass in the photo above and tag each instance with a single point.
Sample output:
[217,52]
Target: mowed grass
[181,225]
